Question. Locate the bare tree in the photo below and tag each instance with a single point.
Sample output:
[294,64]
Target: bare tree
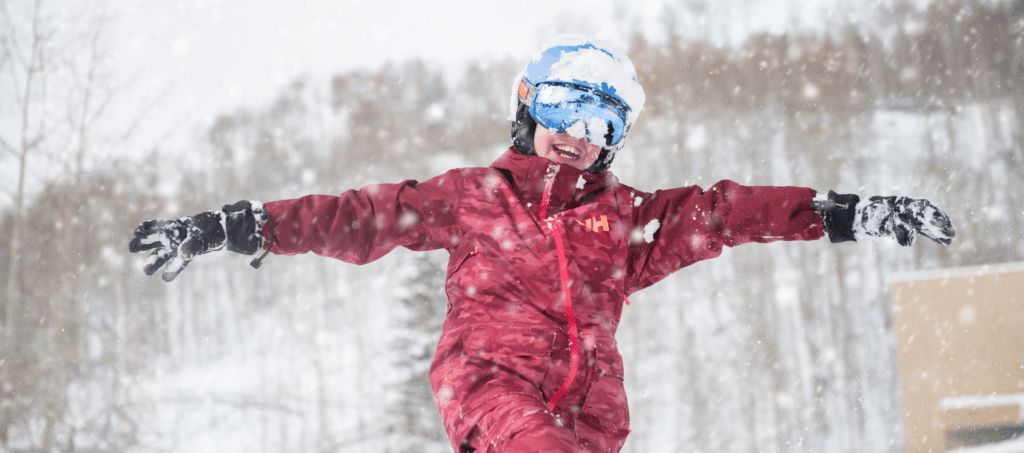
[24,69]
[52,81]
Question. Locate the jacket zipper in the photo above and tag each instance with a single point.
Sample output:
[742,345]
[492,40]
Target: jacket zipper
[574,348]
[563,274]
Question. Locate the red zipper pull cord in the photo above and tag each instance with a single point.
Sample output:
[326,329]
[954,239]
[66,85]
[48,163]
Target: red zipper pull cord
[574,347]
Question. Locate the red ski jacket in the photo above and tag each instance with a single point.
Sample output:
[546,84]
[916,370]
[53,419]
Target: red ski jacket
[542,259]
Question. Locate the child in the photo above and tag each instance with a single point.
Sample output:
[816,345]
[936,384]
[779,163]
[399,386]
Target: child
[545,246]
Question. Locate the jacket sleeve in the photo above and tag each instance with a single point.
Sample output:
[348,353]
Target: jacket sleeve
[360,226]
[679,227]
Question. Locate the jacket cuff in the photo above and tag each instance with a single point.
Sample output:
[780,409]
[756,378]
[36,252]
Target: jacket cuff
[838,214]
[244,223]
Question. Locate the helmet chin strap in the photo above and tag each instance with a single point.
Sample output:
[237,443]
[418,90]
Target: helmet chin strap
[604,160]
[524,128]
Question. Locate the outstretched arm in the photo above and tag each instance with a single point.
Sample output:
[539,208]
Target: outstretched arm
[687,225]
[358,226]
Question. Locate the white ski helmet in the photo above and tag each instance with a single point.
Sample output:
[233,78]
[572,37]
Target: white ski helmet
[576,78]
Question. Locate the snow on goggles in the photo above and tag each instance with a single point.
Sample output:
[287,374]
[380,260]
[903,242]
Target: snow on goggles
[559,105]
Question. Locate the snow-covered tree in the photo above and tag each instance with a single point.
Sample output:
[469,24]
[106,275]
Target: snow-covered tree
[415,425]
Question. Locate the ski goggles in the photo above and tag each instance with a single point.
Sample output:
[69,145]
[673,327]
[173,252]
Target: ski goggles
[559,105]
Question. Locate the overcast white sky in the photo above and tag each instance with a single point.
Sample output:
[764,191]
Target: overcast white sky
[201,58]
[188,61]
[213,56]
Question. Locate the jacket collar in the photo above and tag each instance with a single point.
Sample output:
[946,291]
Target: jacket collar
[570,188]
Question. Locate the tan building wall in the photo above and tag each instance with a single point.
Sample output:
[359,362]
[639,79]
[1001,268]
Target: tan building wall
[960,342]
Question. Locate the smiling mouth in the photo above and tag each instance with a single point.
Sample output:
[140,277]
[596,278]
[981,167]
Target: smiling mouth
[567,152]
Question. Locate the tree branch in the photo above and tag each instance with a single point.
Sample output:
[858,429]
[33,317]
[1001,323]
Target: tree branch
[4,146]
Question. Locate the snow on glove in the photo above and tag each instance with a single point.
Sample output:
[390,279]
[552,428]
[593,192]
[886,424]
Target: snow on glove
[847,218]
[176,242]
[903,218]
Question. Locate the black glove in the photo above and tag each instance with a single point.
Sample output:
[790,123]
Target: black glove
[846,218]
[176,242]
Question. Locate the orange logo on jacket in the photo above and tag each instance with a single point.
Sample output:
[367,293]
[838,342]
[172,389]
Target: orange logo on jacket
[596,225]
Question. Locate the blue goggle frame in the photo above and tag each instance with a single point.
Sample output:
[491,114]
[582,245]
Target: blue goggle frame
[559,105]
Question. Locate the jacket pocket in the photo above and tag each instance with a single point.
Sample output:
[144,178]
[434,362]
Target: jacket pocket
[522,352]
[487,365]
[452,286]
[504,340]
[606,409]
[609,360]
[455,264]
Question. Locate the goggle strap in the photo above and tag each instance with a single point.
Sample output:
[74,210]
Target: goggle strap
[527,92]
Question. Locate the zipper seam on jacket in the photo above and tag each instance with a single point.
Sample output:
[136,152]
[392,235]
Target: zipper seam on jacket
[574,353]
[549,184]
[563,272]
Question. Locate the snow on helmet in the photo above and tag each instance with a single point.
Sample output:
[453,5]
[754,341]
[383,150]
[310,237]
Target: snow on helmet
[575,81]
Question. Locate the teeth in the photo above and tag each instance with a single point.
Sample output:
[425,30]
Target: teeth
[567,151]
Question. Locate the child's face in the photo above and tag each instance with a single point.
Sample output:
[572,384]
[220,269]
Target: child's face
[563,148]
